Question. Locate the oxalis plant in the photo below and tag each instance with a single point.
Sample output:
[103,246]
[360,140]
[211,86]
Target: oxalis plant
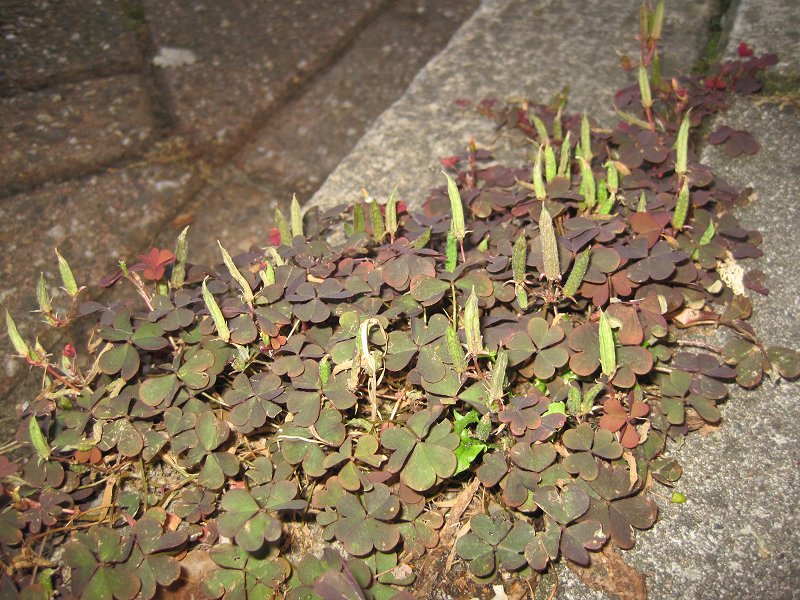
[514,361]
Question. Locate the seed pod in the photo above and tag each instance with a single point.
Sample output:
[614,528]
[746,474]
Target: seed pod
[275,256]
[519,258]
[297,218]
[20,346]
[451,252]
[552,268]
[708,234]
[586,139]
[267,275]
[42,296]
[472,325]
[283,228]
[573,400]
[37,439]
[536,176]
[588,184]
[422,240]
[66,275]
[549,163]
[247,292]
[577,274]
[605,200]
[216,313]
[391,214]
[608,353]
[325,369]
[541,129]
[522,296]
[642,206]
[644,88]
[457,356]
[181,255]
[359,225]
[657,22]
[456,208]
[484,244]
[557,127]
[682,147]
[376,217]
[589,397]
[612,176]
[564,158]
[497,383]
[682,206]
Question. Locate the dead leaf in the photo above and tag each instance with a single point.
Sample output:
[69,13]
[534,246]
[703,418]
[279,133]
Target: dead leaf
[609,573]
[183,219]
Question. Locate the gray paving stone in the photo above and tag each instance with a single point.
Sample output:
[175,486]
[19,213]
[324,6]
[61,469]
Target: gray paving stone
[246,55]
[509,48]
[305,140]
[44,42]
[71,129]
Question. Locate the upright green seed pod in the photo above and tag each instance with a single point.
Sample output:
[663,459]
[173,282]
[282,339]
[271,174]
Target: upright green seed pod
[216,313]
[283,228]
[541,129]
[605,200]
[587,184]
[612,176]
[181,256]
[391,214]
[451,252]
[483,246]
[708,234]
[497,382]
[682,147]
[472,325]
[681,207]
[519,258]
[536,176]
[577,274]
[37,439]
[522,296]
[67,277]
[657,24]
[20,346]
[325,369]
[456,351]
[589,397]
[558,128]
[297,218]
[42,296]
[642,206]
[359,224]
[549,163]
[376,217]
[644,88]
[586,139]
[565,157]
[244,285]
[608,353]
[456,208]
[547,234]
[267,275]
[573,400]
[644,21]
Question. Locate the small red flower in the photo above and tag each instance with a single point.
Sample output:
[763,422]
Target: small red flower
[153,263]
[449,162]
[274,237]
[744,50]
[69,351]
[715,83]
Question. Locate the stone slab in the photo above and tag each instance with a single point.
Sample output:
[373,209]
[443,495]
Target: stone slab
[71,129]
[305,140]
[509,48]
[94,222]
[44,42]
[240,57]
